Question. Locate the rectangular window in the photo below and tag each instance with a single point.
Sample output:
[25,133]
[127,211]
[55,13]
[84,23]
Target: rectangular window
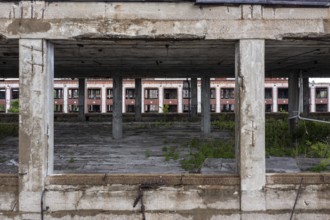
[73,94]
[212,108]
[130,108]
[130,93]
[321,93]
[73,108]
[185,94]
[268,93]
[227,108]
[268,108]
[109,93]
[172,108]
[2,108]
[58,93]
[321,107]
[283,93]
[58,108]
[151,108]
[170,93]
[151,93]
[94,93]
[227,93]
[94,108]
[283,108]
[186,108]
[14,93]
[109,108]
[212,93]
[2,93]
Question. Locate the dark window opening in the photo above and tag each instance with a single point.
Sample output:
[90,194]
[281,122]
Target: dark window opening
[268,107]
[321,93]
[94,93]
[94,108]
[227,93]
[58,108]
[2,94]
[151,108]
[109,108]
[321,108]
[130,93]
[73,108]
[2,108]
[151,93]
[212,108]
[283,93]
[185,94]
[283,108]
[212,93]
[109,94]
[130,108]
[172,108]
[228,108]
[170,93]
[58,93]
[14,93]
[73,94]
[268,93]
[185,108]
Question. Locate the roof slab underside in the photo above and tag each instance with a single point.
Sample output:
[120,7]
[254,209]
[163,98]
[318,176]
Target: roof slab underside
[170,58]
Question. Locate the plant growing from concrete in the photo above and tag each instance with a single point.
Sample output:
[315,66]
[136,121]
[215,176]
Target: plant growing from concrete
[14,107]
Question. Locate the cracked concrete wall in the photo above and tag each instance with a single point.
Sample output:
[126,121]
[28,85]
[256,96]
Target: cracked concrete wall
[158,20]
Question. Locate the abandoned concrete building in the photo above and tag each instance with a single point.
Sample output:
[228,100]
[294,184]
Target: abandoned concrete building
[175,94]
[208,39]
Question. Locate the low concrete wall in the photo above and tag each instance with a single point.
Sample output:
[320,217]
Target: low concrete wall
[169,197]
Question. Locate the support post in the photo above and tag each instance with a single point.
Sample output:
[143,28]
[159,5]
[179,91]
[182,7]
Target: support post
[206,113]
[138,99]
[193,89]
[104,99]
[36,125]
[275,106]
[161,99]
[218,108]
[8,98]
[306,95]
[82,99]
[180,105]
[313,97]
[117,114]
[293,101]
[65,99]
[250,122]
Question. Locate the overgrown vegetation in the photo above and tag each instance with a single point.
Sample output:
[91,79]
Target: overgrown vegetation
[14,107]
[8,129]
[170,153]
[200,149]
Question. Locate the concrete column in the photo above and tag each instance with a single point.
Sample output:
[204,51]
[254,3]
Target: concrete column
[36,125]
[180,105]
[8,98]
[206,113]
[250,122]
[306,96]
[199,98]
[161,99]
[142,99]
[275,99]
[328,98]
[124,98]
[104,99]
[138,99]
[293,100]
[193,92]
[117,114]
[313,96]
[82,99]
[218,109]
[65,99]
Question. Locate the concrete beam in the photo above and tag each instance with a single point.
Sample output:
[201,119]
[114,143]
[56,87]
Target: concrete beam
[293,101]
[206,113]
[138,99]
[82,99]
[250,122]
[194,103]
[117,114]
[36,126]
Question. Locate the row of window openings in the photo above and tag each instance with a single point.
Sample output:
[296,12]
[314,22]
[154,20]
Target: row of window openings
[226,93]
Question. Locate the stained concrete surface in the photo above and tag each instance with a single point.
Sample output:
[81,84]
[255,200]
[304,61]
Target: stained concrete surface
[87,147]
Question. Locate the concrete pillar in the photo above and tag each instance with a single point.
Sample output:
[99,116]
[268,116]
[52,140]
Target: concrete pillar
[65,99]
[138,99]
[36,123]
[117,114]
[250,122]
[306,96]
[293,101]
[142,99]
[161,99]
[275,106]
[206,113]
[104,99]
[180,105]
[313,96]
[217,90]
[124,98]
[199,98]
[8,98]
[82,99]
[193,92]
[328,98]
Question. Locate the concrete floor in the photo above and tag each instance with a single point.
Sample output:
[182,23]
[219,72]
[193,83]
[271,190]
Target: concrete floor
[89,148]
